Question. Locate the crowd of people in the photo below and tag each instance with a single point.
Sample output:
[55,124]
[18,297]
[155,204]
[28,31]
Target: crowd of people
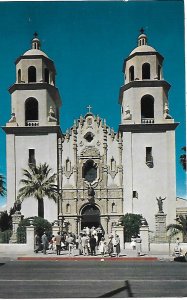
[88,242]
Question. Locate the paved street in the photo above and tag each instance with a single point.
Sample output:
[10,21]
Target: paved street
[75,279]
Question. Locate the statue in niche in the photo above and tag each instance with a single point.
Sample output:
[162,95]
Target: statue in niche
[166,112]
[91,192]
[51,117]
[160,204]
[128,115]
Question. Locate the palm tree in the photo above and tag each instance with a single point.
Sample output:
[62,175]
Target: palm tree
[181,226]
[183,158]
[39,184]
[2,186]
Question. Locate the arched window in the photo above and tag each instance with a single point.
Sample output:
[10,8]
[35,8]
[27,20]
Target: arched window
[146,71]
[19,75]
[131,73]
[159,72]
[46,74]
[113,207]
[89,172]
[31,112]
[31,74]
[112,164]
[68,208]
[147,107]
[68,165]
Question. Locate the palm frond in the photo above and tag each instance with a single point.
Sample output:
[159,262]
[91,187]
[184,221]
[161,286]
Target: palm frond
[38,183]
[2,186]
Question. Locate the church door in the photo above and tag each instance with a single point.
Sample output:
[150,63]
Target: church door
[90,216]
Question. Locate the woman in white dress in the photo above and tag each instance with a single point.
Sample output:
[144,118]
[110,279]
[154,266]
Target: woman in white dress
[102,246]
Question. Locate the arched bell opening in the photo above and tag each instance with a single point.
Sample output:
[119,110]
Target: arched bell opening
[146,71]
[147,109]
[90,216]
[31,74]
[131,73]
[31,112]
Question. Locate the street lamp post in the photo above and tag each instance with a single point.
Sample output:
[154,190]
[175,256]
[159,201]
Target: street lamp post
[61,219]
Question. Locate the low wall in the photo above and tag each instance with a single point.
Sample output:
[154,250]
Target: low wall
[14,249]
[163,248]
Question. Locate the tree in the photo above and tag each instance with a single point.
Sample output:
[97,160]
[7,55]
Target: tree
[2,186]
[132,224]
[39,184]
[183,158]
[180,226]
[39,224]
[5,221]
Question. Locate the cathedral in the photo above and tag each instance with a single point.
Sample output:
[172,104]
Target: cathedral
[102,175]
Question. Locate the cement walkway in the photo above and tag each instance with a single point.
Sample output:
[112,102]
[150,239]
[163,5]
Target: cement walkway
[126,254]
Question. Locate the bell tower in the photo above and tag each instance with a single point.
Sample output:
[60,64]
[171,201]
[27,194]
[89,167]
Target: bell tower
[148,135]
[33,130]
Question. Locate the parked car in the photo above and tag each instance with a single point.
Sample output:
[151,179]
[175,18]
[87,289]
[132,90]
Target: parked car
[180,252]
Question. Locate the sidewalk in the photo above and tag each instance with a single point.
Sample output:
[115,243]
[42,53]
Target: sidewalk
[125,255]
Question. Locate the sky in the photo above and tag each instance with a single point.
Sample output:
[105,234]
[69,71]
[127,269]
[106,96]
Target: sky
[88,42]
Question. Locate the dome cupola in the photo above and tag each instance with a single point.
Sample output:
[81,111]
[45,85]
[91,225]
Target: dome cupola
[34,66]
[36,42]
[143,63]
[144,93]
[142,39]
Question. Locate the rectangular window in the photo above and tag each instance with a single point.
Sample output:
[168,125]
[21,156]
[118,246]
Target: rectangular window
[135,194]
[32,159]
[148,154]
[149,157]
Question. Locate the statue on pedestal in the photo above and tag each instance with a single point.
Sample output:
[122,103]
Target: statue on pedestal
[160,204]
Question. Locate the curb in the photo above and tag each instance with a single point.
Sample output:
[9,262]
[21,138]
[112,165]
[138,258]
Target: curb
[88,258]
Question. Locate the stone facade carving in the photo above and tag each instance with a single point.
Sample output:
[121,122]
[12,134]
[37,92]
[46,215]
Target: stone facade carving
[94,154]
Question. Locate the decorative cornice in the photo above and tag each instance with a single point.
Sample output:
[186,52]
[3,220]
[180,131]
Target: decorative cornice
[148,127]
[47,60]
[37,86]
[143,83]
[161,58]
[33,130]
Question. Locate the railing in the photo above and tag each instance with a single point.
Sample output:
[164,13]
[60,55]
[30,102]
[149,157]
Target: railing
[32,123]
[147,120]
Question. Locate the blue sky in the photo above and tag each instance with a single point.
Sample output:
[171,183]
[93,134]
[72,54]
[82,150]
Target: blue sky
[88,42]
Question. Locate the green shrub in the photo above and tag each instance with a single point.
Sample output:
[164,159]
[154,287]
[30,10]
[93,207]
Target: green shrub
[5,236]
[40,225]
[5,221]
[132,224]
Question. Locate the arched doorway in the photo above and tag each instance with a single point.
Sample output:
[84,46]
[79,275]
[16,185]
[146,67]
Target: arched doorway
[90,216]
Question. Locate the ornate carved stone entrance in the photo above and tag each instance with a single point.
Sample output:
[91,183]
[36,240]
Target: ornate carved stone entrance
[90,216]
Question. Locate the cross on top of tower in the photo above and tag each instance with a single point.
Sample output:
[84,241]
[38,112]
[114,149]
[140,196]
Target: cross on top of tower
[35,41]
[142,30]
[35,34]
[89,108]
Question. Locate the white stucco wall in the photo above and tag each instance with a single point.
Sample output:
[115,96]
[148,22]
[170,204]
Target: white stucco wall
[17,159]
[149,182]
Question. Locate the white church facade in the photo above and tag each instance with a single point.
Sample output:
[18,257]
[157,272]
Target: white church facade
[102,175]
